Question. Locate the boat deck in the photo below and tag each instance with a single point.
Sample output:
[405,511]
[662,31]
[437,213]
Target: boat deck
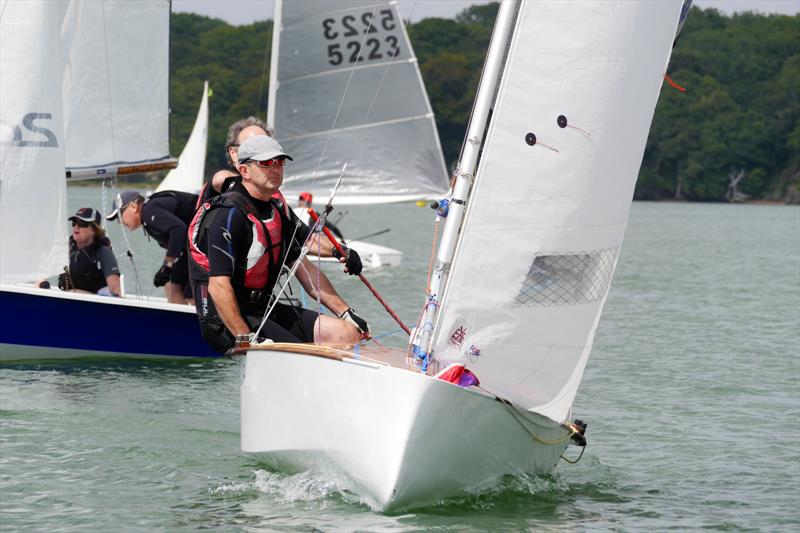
[370,353]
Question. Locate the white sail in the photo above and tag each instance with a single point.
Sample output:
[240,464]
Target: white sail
[188,176]
[345,88]
[116,86]
[550,203]
[33,225]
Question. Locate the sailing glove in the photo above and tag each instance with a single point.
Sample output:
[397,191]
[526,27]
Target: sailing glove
[352,261]
[64,282]
[350,316]
[179,275]
[162,276]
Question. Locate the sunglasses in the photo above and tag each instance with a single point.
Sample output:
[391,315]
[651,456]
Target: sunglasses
[80,223]
[280,161]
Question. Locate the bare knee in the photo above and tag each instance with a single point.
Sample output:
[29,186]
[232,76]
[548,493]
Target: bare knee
[335,331]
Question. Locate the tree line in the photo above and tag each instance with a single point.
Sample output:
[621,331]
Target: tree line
[734,134]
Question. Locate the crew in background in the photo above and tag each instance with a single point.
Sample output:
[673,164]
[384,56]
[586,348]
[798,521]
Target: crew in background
[165,217]
[92,265]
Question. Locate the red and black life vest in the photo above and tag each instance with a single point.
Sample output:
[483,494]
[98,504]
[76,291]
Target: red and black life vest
[265,254]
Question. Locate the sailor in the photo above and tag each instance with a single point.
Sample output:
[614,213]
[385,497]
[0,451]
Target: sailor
[238,243]
[238,132]
[165,217]
[92,265]
[223,180]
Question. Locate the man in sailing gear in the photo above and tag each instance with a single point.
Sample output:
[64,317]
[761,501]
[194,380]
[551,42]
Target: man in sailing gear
[92,265]
[239,241]
[165,217]
[224,180]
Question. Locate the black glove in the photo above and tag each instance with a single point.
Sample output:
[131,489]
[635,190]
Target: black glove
[180,275]
[162,276]
[350,316]
[64,282]
[352,261]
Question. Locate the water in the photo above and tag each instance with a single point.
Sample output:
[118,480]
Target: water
[692,396]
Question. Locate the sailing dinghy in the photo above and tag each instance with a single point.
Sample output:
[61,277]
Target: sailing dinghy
[561,118]
[345,87]
[83,87]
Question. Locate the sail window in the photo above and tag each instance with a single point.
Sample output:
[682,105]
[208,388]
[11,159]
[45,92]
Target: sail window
[567,279]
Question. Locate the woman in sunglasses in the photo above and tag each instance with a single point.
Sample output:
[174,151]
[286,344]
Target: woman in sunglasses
[92,265]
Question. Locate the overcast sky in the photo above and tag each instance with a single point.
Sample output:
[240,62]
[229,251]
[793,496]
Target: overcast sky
[247,11]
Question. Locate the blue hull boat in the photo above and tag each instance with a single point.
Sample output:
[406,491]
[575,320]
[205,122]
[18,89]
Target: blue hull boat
[40,324]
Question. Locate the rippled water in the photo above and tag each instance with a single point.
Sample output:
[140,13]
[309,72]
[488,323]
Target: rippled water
[692,396]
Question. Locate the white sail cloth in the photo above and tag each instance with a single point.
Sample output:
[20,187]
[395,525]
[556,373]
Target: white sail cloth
[345,87]
[553,192]
[33,225]
[116,85]
[188,177]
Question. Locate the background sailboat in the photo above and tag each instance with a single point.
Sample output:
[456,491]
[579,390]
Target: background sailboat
[188,176]
[83,86]
[345,87]
[560,119]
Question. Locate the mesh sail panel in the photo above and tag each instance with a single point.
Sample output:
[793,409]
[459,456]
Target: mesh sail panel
[567,279]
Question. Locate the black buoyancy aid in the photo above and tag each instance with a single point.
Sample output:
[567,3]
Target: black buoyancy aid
[184,211]
[207,192]
[267,250]
[85,269]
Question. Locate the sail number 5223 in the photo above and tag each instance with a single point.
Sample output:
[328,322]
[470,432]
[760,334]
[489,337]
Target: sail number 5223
[358,26]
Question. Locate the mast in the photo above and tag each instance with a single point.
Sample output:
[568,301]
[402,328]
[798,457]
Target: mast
[465,173]
[273,62]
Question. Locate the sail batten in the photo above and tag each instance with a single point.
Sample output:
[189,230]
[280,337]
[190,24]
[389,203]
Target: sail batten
[553,189]
[342,68]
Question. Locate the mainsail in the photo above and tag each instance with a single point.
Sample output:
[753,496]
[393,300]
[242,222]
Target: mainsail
[115,118]
[345,88]
[188,177]
[573,111]
[33,193]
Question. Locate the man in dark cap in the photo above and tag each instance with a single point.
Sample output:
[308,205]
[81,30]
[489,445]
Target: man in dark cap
[165,217]
[239,242]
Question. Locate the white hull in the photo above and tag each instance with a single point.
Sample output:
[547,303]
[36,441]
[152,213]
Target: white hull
[372,256]
[398,437]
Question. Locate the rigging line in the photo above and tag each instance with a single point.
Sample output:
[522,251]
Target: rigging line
[129,253]
[308,236]
[359,127]
[341,104]
[519,417]
[386,68]
[319,223]
[374,65]
[108,84]
[319,285]
[297,263]
[3,9]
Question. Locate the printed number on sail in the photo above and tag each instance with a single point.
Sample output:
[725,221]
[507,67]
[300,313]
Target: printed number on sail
[353,27]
